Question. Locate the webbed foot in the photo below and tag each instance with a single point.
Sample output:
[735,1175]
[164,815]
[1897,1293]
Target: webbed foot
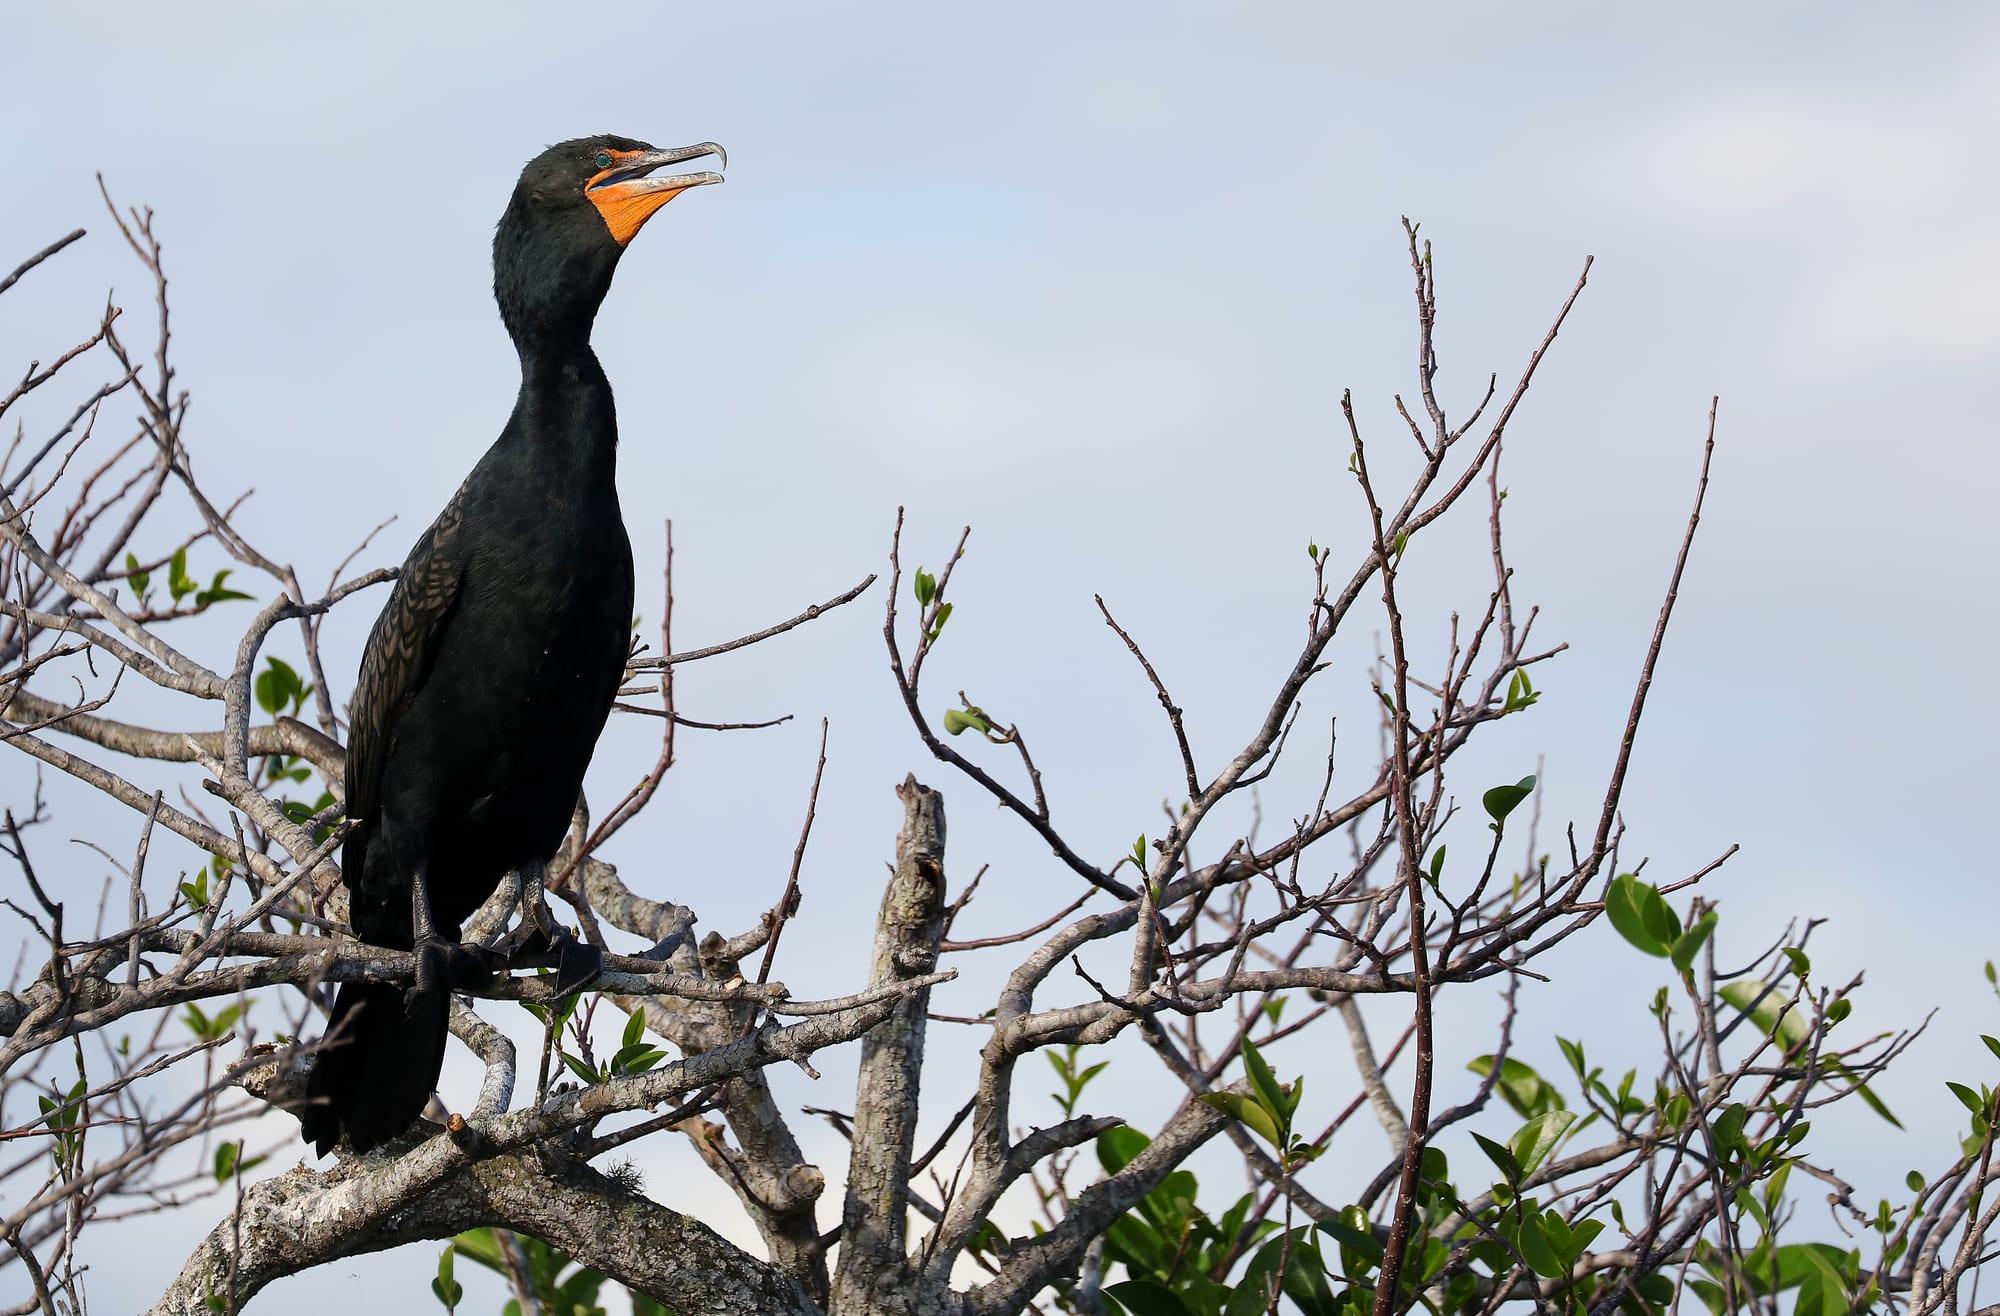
[441,966]
[578,963]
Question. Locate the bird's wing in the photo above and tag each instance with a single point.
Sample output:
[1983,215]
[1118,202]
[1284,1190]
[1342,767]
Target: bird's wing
[401,651]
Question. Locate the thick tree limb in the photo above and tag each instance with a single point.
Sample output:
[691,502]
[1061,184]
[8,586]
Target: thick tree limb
[284,736]
[302,1219]
[873,1275]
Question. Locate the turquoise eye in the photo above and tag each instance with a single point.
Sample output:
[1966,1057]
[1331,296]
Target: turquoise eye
[604,159]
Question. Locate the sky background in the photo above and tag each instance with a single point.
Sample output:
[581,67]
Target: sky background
[1093,279]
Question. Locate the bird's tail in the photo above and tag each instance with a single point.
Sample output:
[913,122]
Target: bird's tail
[376,1068]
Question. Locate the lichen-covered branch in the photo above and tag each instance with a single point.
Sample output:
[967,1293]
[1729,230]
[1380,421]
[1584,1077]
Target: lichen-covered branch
[300,1220]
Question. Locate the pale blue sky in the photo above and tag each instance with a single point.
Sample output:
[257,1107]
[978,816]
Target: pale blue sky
[1094,279]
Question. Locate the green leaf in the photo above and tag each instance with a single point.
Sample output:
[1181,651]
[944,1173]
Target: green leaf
[1728,1127]
[1689,943]
[1522,1088]
[1306,1278]
[926,587]
[1253,1287]
[1804,1264]
[1533,1141]
[1354,1231]
[1801,964]
[635,1028]
[581,1070]
[636,1059]
[1503,800]
[1789,1029]
[1247,1112]
[937,622]
[1270,1093]
[225,1160]
[1641,916]
[179,583]
[448,1290]
[218,592]
[140,579]
[1248,1295]
[1500,1156]
[1139,852]
[1535,1250]
[966,719]
[1710,1293]
[1967,1097]
[1521,692]
[278,685]
[1116,1147]
[1573,1052]
[1774,1187]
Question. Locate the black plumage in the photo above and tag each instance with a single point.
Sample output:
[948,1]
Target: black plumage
[491,670]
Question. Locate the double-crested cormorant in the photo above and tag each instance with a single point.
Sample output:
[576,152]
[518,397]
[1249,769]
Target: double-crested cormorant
[491,670]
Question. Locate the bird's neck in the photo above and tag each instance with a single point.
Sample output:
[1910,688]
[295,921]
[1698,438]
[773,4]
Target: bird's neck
[560,365]
[565,407]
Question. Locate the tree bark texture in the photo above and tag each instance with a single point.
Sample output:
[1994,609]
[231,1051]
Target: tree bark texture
[874,1274]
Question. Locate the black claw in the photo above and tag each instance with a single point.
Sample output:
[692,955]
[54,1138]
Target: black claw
[577,964]
[531,940]
[523,948]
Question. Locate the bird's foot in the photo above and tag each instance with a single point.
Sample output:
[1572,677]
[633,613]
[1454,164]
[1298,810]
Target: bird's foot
[441,966]
[523,947]
[578,963]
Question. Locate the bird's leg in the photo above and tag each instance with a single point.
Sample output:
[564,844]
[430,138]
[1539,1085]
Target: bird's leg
[442,963]
[577,962]
[432,962]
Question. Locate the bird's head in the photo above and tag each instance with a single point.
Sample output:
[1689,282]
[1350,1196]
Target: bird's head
[577,206]
[616,178]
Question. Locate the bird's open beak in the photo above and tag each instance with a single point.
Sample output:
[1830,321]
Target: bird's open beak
[629,193]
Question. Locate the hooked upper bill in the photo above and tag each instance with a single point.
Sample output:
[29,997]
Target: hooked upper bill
[627,192]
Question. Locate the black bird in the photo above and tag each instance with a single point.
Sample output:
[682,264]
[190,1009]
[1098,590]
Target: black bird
[493,666]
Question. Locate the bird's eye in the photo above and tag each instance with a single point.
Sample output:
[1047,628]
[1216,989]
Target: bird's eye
[604,159]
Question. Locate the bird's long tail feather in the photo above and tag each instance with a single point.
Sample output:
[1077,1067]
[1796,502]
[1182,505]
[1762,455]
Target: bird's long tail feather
[377,1067]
